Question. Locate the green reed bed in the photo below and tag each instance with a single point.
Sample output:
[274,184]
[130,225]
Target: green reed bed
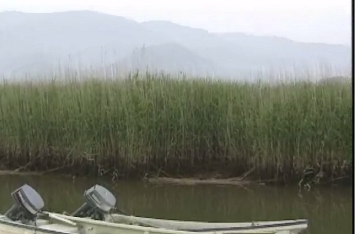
[175,127]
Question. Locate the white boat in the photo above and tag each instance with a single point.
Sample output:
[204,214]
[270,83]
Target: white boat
[95,217]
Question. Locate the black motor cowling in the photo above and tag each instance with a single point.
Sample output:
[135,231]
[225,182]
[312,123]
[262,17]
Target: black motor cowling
[27,204]
[99,202]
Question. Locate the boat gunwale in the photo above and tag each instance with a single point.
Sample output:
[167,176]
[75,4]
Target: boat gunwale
[179,222]
[225,230]
[172,231]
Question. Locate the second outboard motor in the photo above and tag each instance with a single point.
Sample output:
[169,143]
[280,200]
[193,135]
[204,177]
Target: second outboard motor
[27,204]
[99,202]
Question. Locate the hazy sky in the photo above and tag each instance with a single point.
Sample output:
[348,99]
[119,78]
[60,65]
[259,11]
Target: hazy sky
[303,20]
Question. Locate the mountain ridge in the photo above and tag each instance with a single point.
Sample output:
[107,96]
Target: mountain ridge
[92,38]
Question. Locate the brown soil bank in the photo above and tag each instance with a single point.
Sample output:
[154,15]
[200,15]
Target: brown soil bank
[163,127]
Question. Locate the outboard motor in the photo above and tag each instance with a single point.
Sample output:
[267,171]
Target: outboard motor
[99,202]
[27,204]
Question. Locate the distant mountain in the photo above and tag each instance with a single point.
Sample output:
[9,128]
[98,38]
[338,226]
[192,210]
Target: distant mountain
[68,36]
[239,50]
[283,48]
[169,57]
[42,41]
[336,80]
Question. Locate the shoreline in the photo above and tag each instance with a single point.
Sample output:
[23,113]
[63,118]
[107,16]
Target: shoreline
[207,181]
[241,181]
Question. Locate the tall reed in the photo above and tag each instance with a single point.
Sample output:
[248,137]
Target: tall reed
[176,127]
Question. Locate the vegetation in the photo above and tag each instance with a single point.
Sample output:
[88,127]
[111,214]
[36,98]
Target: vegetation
[172,127]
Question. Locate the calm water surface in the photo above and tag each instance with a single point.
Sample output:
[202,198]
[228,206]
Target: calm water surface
[329,210]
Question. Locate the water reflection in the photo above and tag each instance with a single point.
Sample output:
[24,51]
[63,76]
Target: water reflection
[329,210]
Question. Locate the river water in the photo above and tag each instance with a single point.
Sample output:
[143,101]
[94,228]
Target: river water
[329,210]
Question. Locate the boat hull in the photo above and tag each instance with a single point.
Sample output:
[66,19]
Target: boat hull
[55,225]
